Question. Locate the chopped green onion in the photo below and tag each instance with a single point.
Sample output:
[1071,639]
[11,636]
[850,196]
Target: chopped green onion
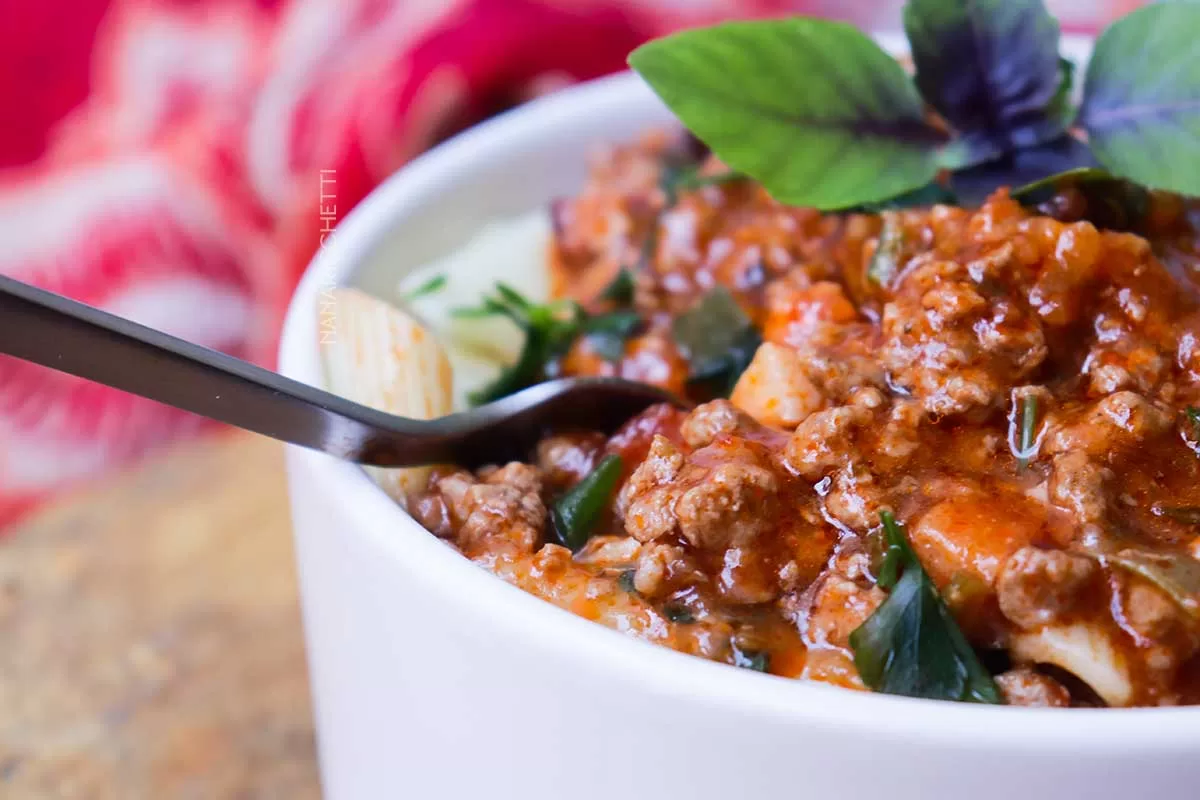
[577,512]
[1193,414]
[434,284]
[911,645]
[1029,408]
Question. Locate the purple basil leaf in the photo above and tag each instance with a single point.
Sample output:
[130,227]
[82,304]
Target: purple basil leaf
[1141,100]
[991,69]
[973,185]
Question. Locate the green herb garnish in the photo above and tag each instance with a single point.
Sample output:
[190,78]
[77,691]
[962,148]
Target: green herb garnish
[1193,415]
[577,512]
[912,645]
[812,109]
[757,660]
[677,612]
[607,332]
[550,329]
[690,179]
[434,284]
[822,117]
[718,340]
[625,580]
[1029,410]
[1168,568]
[1141,97]
[1107,201]
[1188,515]
[620,289]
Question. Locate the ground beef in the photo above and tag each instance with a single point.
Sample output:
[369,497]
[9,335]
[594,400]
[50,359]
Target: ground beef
[1025,687]
[1035,587]
[721,495]
[901,354]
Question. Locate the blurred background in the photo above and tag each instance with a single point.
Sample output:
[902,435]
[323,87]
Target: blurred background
[163,160]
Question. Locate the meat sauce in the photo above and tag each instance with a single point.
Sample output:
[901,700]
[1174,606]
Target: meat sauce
[899,351]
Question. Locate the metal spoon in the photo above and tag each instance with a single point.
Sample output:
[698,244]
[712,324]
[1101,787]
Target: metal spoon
[51,330]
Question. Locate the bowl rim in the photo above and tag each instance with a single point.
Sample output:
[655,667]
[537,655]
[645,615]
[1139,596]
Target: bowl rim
[372,514]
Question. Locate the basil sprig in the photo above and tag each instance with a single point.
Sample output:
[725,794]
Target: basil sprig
[550,329]
[822,117]
[911,645]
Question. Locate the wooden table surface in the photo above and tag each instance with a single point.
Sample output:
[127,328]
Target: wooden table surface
[150,642]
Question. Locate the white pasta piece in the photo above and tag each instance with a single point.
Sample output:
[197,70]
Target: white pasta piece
[381,357]
[512,252]
[1086,651]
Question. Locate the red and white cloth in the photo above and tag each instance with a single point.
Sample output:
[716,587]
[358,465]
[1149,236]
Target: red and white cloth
[161,159]
[166,158]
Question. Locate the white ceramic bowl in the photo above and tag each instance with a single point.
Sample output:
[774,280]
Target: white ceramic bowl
[433,679]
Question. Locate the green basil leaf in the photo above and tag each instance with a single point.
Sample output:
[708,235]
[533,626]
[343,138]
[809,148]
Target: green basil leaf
[1141,98]
[431,286]
[1177,574]
[608,332]
[1061,105]
[549,330]
[973,185]
[757,660]
[692,180]
[991,68]
[718,340]
[576,513]
[1170,569]
[525,372]
[679,613]
[812,109]
[912,645]
[620,290]
[1088,193]
[625,580]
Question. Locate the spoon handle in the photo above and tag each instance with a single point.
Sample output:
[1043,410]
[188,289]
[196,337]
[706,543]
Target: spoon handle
[56,332]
